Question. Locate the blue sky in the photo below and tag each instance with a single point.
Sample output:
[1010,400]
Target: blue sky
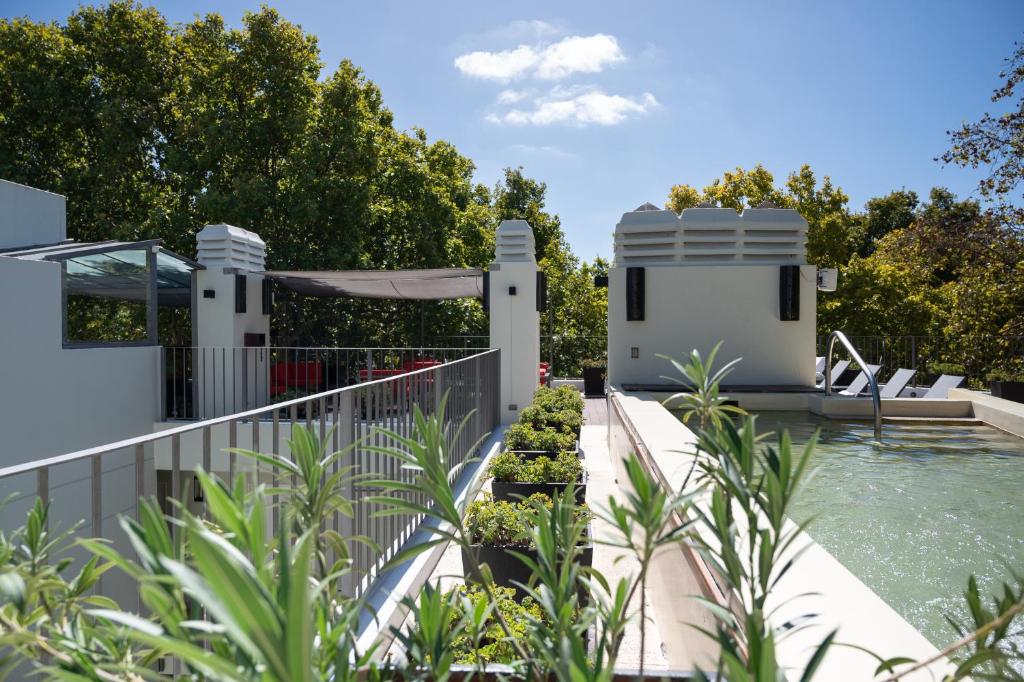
[613,103]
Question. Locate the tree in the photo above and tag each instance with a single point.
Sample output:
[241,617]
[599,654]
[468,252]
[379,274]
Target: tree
[882,215]
[996,141]
[682,197]
[520,198]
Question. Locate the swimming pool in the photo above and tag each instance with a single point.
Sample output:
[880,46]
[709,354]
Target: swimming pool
[915,516]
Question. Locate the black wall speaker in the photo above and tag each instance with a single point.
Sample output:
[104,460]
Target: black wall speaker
[240,293]
[487,291]
[268,295]
[789,293]
[634,294]
[542,292]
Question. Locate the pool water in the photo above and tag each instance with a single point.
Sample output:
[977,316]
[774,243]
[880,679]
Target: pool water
[914,516]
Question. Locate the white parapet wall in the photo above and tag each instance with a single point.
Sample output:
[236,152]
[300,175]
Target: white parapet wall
[710,275]
[30,216]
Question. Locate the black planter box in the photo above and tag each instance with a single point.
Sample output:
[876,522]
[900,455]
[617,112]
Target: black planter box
[593,381]
[1008,390]
[514,492]
[507,569]
[534,454]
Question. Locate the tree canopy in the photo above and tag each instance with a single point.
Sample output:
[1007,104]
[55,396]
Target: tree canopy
[153,129]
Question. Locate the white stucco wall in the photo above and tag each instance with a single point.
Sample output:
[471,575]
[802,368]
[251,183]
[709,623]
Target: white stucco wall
[514,320]
[710,275]
[691,307]
[30,216]
[55,400]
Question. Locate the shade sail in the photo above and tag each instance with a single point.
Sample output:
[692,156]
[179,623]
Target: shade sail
[430,285]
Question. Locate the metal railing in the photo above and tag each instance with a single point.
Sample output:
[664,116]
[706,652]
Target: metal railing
[921,353]
[876,400]
[103,482]
[565,352]
[207,382]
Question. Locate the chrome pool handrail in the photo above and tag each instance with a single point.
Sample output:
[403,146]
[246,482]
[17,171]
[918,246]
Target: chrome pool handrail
[876,400]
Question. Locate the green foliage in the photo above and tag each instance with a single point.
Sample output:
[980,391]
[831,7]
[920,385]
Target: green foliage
[154,130]
[994,142]
[511,467]
[702,399]
[829,237]
[539,417]
[497,523]
[1005,375]
[485,641]
[558,399]
[525,437]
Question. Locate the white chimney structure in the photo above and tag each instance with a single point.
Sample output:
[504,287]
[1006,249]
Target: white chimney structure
[231,325]
[514,315]
[684,282]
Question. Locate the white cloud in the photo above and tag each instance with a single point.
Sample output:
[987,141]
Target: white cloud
[579,54]
[499,66]
[591,107]
[512,96]
[574,54]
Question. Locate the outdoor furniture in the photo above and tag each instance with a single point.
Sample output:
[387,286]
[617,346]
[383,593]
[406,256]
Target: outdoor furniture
[837,371]
[860,382]
[897,382]
[940,389]
[288,375]
[819,364]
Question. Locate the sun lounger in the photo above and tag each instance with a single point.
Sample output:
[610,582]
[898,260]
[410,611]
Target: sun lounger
[837,371]
[940,389]
[897,382]
[860,382]
[819,365]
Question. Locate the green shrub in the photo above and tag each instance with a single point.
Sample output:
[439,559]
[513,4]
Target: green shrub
[548,439]
[497,523]
[493,645]
[513,468]
[558,399]
[1005,375]
[938,368]
[537,416]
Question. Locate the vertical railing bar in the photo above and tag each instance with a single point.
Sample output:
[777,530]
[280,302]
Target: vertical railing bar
[232,457]
[256,448]
[176,492]
[207,450]
[140,478]
[276,438]
[97,505]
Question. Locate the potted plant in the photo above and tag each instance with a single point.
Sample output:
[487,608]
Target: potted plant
[566,420]
[593,377]
[557,399]
[516,477]
[498,531]
[1007,385]
[494,645]
[532,442]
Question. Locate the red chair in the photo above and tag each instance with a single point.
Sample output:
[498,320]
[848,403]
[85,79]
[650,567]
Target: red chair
[288,375]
